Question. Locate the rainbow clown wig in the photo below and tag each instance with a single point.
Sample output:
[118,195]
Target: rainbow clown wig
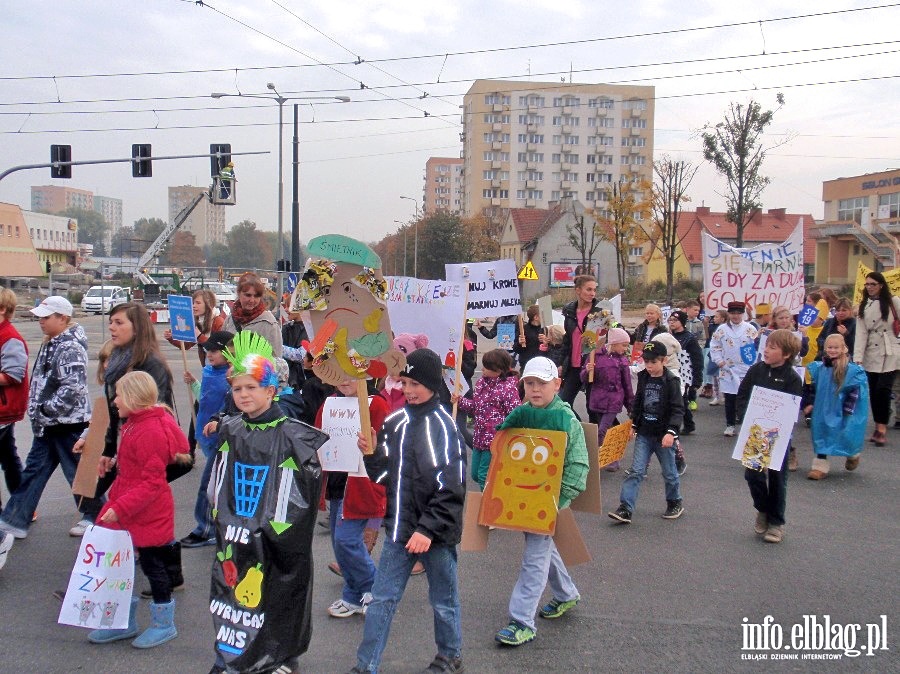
[252,356]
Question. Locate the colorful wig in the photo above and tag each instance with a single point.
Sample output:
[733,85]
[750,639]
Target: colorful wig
[252,356]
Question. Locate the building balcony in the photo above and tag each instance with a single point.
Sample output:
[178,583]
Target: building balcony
[567,129]
[495,183]
[531,147]
[565,185]
[568,110]
[496,107]
[565,166]
[532,128]
[634,150]
[530,203]
[496,164]
[635,132]
[530,184]
[636,112]
[601,112]
[495,202]
[496,145]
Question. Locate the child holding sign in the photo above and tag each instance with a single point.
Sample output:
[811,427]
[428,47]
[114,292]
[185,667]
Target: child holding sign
[141,502]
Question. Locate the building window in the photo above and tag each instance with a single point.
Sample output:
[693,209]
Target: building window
[628,123]
[531,119]
[852,209]
[634,104]
[566,100]
[496,118]
[531,156]
[892,204]
[532,99]
[601,122]
[530,194]
[496,99]
[636,251]
[602,102]
[535,138]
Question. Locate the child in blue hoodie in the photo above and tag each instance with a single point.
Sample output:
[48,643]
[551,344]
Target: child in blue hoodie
[211,393]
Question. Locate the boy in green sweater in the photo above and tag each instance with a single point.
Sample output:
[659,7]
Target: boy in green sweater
[541,562]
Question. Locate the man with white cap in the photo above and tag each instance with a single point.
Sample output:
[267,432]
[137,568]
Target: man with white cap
[59,409]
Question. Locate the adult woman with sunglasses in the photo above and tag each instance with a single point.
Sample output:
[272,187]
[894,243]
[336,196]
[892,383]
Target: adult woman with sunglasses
[250,313]
[877,349]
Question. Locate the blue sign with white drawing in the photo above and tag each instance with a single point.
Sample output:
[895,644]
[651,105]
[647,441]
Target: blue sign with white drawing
[506,333]
[181,317]
[807,315]
[748,354]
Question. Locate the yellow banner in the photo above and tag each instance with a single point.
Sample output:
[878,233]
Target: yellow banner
[892,277]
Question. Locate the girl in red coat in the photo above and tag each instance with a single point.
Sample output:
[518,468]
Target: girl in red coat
[140,501]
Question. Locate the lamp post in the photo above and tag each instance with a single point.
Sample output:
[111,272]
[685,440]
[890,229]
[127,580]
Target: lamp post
[415,237]
[405,227]
[281,100]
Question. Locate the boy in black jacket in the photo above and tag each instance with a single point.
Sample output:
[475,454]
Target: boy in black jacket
[421,460]
[657,413]
[769,488]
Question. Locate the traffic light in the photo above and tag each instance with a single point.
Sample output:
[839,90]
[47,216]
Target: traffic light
[216,164]
[140,164]
[60,153]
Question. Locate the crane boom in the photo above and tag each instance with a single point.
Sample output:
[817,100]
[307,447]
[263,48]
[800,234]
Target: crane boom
[169,232]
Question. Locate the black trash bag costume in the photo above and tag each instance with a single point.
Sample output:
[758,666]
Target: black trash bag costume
[267,482]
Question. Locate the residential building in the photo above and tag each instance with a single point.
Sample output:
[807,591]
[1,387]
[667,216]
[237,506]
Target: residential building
[206,222]
[541,236]
[527,144]
[111,210]
[55,238]
[772,226]
[17,254]
[443,185]
[57,198]
[861,224]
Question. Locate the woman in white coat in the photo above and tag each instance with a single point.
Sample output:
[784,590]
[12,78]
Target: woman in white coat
[877,349]
[725,351]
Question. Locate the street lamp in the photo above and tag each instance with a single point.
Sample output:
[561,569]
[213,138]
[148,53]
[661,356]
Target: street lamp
[405,227]
[415,238]
[281,100]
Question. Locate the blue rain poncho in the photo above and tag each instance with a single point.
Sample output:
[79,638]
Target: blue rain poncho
[839,424]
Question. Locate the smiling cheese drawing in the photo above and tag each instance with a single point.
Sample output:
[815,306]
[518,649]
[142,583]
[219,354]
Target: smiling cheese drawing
[522,490]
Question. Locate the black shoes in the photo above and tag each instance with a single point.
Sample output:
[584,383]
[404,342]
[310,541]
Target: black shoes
[193,540]
[621,514]
[674,511]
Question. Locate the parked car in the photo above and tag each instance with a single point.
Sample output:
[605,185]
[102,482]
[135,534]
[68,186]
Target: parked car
[224,292]
[101,299]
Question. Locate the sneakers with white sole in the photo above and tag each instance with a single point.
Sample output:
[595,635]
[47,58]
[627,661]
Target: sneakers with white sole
[15,531]
[78,529]
[344,609]
[6,543]
[729,432]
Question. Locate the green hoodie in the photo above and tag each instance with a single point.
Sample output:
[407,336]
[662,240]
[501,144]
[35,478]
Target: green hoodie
[558,416]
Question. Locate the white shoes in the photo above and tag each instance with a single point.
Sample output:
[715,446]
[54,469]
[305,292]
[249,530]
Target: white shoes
[78,529]
[6,543]
[729,432]
[716,401]
[5,527]
[344,609]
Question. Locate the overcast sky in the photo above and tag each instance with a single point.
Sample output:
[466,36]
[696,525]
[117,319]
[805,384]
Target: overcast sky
[358,158]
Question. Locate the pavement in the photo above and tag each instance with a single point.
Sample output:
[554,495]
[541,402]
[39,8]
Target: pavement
[659,595]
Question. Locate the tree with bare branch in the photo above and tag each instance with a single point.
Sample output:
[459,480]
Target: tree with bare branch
[671,180]
[585,234]
[627,209]
[735,147]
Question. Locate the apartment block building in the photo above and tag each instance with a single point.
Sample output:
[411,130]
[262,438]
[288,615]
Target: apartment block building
[56,198]
[206,222]
[443,185]
[530,144]
[111,210]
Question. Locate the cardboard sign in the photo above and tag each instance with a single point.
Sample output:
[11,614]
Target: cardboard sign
[770,273]
[433,308]
[766,430]
[99,591]
[493,287]
[614,443]
[892,276]
[181,317]
[807,315]
[340,419]
[506,335]
[588,501]
[545,308]
[85,482]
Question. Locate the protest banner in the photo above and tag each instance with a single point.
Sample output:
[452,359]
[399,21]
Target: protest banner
[545,308]
[102,579]
[892,276]
[340,419]
[769,273]
[181,318]
[434,308]
[493,287]
[766,430]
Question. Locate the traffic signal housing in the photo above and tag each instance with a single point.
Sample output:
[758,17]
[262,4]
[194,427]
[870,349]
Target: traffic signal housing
[140,161]
[60,153]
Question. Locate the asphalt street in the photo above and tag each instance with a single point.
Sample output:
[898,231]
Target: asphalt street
[659,595]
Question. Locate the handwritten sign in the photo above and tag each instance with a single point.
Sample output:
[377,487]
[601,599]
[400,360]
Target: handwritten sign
[614,443]
[506,335]
[766,431]
[181,316]
[342,248]
[493,287]
[807,315]
[340,419]
[892,277]
[434,308]
[99,591]
[769,273]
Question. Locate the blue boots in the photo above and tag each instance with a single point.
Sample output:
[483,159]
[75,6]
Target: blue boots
[106,636]
[161,630]
[162,626]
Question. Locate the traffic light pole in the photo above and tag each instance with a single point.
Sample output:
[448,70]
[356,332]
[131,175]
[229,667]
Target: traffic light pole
[86,162]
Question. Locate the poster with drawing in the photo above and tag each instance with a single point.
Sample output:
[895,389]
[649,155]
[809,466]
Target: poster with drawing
[766,430]
[340,419]
[181,316]
[99,591]
[493,287]
[614,443]
[434,308]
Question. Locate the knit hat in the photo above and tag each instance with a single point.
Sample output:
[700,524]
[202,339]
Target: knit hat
[424,366]
[680,316]
[653,350]
[617,336]
[408,342]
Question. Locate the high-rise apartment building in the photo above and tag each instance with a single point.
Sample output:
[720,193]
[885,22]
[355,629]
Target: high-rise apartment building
[443,185]
[206,222]
[56,198]
[526,144]
[111,210]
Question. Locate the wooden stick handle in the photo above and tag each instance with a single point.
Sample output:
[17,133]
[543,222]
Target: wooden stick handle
[365,421]
[190,390]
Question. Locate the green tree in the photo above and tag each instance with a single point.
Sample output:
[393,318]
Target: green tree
[627,208]
[183,251]
[92,226]
[735,147]
[217,254]
[249,248]
[148,229]
[442,240]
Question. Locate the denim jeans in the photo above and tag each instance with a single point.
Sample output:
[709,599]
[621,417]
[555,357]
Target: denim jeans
[52,449]
[9,458]
[351,555]
[646,446]
[390,582]
[769,490]
[541,564]
[206,527]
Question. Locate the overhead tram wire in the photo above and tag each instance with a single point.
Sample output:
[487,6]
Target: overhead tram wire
[471,52]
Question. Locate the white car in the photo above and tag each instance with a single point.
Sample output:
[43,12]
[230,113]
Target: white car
[224,292]
[101,299]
